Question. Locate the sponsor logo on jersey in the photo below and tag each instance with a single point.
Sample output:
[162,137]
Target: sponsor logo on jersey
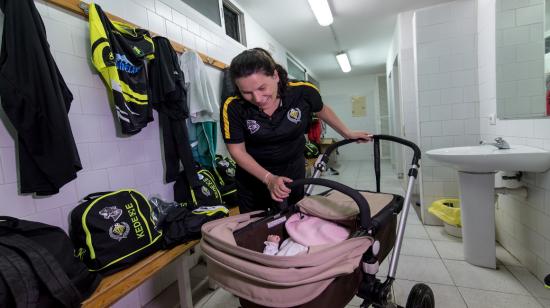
[252,126]
[294,115]
[123,64]
[111,212]
[137,51]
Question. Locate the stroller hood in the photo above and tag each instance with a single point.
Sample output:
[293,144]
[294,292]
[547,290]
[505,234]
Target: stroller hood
[275,281]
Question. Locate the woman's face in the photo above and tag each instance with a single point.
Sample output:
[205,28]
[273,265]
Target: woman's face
[259,89]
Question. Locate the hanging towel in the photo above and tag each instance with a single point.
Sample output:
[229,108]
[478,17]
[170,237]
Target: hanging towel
[203,109]
[203,104]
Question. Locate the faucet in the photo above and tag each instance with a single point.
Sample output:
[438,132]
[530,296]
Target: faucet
[500,143]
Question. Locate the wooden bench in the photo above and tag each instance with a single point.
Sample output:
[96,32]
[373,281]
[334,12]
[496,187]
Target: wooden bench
[114,287]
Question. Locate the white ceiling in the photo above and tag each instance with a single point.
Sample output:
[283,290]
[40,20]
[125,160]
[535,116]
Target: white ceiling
[364,29]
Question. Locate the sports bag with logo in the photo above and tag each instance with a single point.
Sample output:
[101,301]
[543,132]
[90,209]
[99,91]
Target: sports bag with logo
[113,230]
[225,167]
[204,192]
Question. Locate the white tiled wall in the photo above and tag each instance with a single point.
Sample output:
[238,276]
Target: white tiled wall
[337,93]
[111,162]
[520,58]
[446,55]
[522,224]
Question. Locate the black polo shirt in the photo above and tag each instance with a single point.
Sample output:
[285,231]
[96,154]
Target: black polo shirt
[277,139]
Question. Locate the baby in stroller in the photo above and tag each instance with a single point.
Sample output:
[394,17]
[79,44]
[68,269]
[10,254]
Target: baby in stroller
[305,231]
[324,274]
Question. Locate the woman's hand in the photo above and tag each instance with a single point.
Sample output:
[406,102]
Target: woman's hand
[277,187]
[362,136]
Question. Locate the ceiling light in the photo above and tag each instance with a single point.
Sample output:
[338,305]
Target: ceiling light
[322,11]
[343,61]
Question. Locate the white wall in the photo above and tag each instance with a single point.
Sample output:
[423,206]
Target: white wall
[523,226]
[109,162]
[446,51]
[337,94]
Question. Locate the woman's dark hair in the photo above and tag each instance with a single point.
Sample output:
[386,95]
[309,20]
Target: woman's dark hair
[257,60]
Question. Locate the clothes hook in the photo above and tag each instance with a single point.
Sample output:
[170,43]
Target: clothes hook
[84,6]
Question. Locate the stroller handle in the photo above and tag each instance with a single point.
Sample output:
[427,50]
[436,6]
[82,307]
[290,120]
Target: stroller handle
[364,208]
[377,138]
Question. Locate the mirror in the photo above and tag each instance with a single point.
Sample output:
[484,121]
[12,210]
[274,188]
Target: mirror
[522,59]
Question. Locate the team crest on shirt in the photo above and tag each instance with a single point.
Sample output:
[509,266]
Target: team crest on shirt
[294,115]
[252,126]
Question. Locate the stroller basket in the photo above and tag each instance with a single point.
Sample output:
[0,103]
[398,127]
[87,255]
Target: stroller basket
[327,275]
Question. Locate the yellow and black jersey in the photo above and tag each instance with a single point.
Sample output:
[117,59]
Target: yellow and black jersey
[276,139]
[119,52]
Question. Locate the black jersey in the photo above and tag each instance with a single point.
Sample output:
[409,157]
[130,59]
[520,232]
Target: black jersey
[119,52]
[276,139]
[36,101]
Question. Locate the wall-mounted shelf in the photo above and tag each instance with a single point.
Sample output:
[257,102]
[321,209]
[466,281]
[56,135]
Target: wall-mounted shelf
[81,8]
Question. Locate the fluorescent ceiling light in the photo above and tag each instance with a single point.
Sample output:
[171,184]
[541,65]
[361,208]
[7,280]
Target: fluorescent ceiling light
[343,61]
[321,10]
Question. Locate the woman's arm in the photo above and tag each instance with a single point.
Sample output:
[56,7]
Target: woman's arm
[275,184]
[327,114]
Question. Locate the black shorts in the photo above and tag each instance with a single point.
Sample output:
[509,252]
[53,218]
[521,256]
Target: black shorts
[253,195]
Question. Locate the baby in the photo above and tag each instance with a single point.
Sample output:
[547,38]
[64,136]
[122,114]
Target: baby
[272,245]
[288,247]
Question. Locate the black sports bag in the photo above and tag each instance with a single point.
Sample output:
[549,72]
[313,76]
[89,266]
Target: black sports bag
[225,170]
[204,193]
[38,267]
[113,230]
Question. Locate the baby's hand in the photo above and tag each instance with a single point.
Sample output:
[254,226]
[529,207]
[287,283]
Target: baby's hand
[273,238]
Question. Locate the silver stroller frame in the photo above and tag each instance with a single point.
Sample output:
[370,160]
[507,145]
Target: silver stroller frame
[372,290]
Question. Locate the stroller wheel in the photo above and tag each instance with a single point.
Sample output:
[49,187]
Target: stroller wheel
[421,296]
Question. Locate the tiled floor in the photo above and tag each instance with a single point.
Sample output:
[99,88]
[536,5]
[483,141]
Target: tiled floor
[431,256]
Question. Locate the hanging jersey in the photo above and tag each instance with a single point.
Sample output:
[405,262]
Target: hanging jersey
[119,52]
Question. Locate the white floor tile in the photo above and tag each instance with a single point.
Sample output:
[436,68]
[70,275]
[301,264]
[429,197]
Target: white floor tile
[490,299]
[529,281]
[419,247]
[421,269]
[415,231]
[450,250]
[470,276]
[221,298]
[437,233]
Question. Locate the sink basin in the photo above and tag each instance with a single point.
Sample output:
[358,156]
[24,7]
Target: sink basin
[488,158]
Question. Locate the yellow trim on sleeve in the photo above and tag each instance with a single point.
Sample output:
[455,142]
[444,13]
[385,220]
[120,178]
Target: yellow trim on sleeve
[303,83]
[225,117]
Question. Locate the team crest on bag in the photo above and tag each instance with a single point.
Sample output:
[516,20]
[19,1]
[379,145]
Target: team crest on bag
[230,171]
[205,191]
[119,231]
[294,115]
[111,212]
[252,126]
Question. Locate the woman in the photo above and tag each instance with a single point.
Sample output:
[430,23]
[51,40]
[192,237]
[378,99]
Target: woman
[264,129]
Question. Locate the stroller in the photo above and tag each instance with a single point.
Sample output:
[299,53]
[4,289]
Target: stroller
[328,275]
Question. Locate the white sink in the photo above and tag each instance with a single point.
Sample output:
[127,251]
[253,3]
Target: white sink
[488,158]
[476,167]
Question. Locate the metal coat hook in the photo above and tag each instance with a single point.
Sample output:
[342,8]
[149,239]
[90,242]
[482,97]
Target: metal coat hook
[84,6]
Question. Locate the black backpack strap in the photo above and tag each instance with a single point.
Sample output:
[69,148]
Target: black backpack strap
[19,278]
[46,268]
[96,195]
